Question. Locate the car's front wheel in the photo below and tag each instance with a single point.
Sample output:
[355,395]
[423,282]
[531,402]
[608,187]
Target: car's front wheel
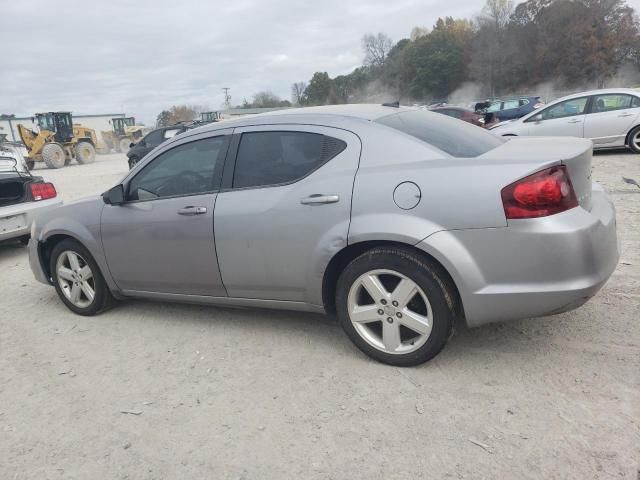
[78,280]
[396,306]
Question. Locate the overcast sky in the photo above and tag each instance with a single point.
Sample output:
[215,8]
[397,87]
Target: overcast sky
[139,57]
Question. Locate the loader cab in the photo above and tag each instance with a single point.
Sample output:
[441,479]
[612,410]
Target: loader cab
[121,123]
[209,117]
[60,123]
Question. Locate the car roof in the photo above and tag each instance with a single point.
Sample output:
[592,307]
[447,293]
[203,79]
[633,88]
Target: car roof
[451,107]
[601,91]
[362,112]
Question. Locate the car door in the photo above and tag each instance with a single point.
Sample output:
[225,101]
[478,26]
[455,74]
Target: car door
[564,119]
[610,118]
[161,238]
[286,209]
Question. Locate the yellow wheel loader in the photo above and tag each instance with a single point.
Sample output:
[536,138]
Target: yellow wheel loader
[124,133]
[59,140]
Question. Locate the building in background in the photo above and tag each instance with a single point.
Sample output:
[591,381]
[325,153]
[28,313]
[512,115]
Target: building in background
[99,122]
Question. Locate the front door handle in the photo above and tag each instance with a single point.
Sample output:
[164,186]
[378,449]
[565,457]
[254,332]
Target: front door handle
[575,120]
[319,199]
[625,114]
[191,210]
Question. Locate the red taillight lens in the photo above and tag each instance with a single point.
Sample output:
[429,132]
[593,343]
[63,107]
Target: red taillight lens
[43,191]
[539,195]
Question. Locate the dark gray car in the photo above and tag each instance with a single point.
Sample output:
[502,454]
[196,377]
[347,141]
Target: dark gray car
[398,220]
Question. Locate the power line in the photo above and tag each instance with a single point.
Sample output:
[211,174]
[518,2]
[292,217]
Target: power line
[227,97]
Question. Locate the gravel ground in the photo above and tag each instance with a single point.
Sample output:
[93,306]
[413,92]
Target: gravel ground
[162,391]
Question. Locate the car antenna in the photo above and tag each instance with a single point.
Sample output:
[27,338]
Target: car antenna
[395,104]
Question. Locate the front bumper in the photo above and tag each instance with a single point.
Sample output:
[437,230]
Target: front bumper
[532,267]
[24,214]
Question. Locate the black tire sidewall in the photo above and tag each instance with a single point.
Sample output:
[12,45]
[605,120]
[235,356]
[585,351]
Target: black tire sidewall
[420,271]
[101,290]
[630,140]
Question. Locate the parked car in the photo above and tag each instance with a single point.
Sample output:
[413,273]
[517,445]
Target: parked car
[461,114]
[510,108]
[609,118]
[22,196]
[151,140]
[398,220]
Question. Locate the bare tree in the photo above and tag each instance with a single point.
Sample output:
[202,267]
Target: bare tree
[376,48]
[297,92]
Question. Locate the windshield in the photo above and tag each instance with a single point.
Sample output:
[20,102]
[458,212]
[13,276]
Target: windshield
[452,136]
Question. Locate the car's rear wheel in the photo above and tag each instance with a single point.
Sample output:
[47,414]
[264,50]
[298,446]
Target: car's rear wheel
[395,306]
[78,280]
[634,140]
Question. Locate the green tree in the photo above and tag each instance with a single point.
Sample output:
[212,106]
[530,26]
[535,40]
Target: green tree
[437,63]
[318,90]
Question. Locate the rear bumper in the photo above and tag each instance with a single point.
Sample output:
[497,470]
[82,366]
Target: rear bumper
[532,267]
[24,215]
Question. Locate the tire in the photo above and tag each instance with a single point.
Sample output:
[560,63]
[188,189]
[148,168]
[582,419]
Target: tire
[133,161]
[72,280]
[124,145]
[85,152]
[633,140]
[53,155]
[408,329]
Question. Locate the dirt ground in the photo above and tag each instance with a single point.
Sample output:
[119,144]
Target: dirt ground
[164,391]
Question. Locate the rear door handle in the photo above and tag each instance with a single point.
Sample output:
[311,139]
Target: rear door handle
[625,114]
[575,120]
[319,199]
[191,210]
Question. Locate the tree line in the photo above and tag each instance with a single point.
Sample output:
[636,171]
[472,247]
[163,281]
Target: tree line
[507,48]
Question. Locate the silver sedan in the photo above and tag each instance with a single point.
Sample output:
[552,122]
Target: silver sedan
[400,221]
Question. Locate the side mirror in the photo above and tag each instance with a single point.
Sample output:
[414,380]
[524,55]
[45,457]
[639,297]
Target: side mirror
[114,196]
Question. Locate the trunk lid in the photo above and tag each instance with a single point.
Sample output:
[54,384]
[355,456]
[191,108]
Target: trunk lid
[14,188]
[575,153]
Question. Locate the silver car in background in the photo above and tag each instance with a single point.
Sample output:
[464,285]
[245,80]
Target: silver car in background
[609,118]
[22,196]
[400,221]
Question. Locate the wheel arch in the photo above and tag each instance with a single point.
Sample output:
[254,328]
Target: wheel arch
[631,130]
[46,247]
[86,139]
[342,258]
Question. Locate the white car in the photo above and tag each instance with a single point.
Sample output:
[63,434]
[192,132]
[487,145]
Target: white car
[22,196]
[610,118]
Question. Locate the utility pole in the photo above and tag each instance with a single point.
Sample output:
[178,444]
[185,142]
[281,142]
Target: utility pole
[227,97]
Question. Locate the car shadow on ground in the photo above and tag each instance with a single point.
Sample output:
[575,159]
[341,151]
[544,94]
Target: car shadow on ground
[490,342]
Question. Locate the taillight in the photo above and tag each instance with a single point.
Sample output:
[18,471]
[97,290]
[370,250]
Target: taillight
[539,195]
[43,191]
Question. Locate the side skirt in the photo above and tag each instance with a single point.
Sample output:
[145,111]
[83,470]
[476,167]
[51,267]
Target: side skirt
[226,301]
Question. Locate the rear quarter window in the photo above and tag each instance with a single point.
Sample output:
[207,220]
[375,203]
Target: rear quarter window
[458,139]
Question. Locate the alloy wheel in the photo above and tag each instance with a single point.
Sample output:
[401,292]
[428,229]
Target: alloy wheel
[75,279]
[390,311]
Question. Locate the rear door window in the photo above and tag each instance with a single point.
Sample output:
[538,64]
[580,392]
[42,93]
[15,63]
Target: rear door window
[458,139]
[274,158]
[607,103]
